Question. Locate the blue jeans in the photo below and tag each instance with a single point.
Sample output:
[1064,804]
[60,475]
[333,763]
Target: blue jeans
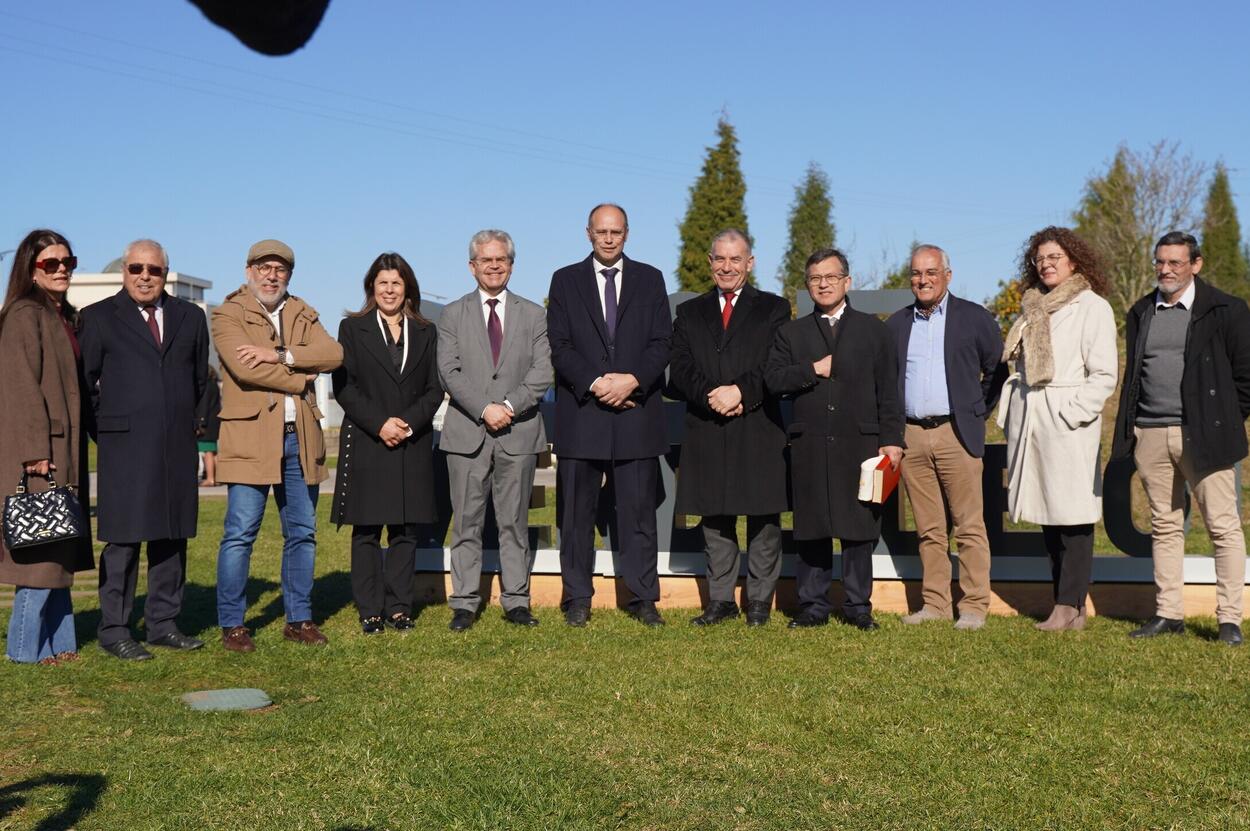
[245,508]
[42,625]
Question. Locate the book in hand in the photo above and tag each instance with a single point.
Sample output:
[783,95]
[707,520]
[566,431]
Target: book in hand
[877,480]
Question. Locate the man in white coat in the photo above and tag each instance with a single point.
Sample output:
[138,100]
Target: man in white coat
[494,361]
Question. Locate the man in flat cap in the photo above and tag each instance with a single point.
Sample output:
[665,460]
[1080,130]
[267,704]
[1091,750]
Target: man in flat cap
[272,348]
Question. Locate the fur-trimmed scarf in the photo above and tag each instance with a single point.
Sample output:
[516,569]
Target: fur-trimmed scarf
[1032,329]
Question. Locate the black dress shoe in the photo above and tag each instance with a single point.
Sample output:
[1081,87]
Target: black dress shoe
[176,640]
[400,622]
[806,620]
[646,614]
[864,622]
[577,616]
[757,613]
[1159,626]
[716,611]
[520,616]
[462,620]
[372,625]
[1230,633]
[127,650]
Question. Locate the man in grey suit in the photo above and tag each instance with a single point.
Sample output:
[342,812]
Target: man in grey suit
[494,361]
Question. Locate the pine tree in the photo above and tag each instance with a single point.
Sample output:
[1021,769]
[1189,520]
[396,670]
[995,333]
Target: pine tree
[1224,260]
[717,202]
[811,228]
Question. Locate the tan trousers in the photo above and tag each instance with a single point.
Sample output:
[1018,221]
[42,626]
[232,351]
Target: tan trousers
[1164,469]
[943,480]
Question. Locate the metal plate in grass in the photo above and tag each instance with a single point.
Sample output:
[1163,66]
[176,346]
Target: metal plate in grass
[238,699]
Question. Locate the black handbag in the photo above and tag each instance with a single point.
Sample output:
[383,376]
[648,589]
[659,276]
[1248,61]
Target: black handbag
[38,518]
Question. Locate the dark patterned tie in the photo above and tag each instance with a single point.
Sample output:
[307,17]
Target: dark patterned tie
[150,312]
[728,311]
[494,329]
[609,300]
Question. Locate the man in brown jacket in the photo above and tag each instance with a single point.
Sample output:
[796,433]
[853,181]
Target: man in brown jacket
[272,347]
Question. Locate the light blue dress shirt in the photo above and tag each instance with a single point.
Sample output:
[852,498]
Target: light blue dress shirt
[924,385]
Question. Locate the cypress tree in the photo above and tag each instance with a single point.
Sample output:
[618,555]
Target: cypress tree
[717,201]
[811,228]
[1224,259]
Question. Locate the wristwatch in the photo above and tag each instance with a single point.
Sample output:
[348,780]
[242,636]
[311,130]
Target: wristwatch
[281,350]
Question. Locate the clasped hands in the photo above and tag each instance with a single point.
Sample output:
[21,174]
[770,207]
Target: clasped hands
[394,430]
[614,390]
[725,400]
[496,417]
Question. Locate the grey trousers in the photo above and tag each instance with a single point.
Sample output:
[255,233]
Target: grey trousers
[119,574]
[720,541]
[507,481]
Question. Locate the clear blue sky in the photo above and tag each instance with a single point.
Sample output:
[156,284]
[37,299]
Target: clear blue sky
[409,126]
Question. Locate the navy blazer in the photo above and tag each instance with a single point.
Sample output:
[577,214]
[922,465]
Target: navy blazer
[973,348]
[581,352]
[144,397]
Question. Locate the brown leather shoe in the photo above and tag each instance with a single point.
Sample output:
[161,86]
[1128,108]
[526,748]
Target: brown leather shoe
[237,639]
[304,631]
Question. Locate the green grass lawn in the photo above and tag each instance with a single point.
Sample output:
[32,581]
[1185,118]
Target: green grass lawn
[616,726]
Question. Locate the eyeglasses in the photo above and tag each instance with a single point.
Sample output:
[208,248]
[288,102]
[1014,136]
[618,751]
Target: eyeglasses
[52,264]
[822,279]
[265,269]
[137,268]
[1053,259]
[717,262]
[931,273]
[492,260]
[1172,265]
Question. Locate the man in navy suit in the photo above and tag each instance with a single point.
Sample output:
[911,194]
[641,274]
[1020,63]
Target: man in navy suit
[145,359]
[609,327]
[948,351]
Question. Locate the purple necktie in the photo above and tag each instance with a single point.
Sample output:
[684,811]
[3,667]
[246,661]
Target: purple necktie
[609,300]
[150,311]
[494,329]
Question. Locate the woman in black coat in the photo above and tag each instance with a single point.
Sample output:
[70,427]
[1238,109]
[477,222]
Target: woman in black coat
[389,391]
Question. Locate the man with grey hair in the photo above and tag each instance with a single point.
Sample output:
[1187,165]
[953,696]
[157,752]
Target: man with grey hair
[948,351]
[733,453]
[494,361]
[145,360]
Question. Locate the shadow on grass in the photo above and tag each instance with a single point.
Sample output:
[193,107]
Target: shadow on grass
[85,790]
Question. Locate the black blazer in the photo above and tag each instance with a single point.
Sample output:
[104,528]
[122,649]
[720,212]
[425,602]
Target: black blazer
[973,348]
[376,484]
[144,398]
[729,466]
[581,352]
[839,422]
[1215,387]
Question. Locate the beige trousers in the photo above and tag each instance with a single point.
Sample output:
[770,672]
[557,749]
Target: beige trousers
[1164,469]
[943,484]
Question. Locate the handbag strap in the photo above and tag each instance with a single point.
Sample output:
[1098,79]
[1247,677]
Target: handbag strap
[21,486]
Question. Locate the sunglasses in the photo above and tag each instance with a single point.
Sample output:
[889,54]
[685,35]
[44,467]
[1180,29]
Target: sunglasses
[51,264]
[154,270]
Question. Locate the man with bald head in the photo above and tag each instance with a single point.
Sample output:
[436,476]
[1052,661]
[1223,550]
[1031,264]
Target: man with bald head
[145,358]
[948,350]
[609,328]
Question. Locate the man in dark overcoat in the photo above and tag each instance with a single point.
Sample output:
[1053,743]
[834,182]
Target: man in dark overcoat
[145,359]
[610,329]
[840,366]
[732,457]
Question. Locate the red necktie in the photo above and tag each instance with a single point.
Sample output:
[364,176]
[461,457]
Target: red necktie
[494,329]
[150,311]
[728,311]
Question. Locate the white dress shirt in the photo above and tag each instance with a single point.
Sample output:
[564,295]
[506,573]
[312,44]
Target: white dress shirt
[1186,299]
[275,317]
[603,282]
[502,297]
[160,316]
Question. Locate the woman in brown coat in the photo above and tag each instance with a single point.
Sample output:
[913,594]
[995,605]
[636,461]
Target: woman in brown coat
[41,434]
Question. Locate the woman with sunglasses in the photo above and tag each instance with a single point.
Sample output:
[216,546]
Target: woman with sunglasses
[1062,350]
[389,390]
[42,433]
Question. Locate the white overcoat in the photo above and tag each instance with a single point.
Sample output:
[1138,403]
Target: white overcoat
[1053,431]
